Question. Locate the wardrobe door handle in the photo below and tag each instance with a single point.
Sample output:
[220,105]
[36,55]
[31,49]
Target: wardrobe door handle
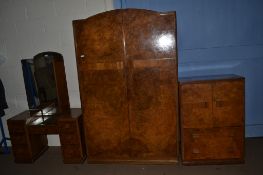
[82,56]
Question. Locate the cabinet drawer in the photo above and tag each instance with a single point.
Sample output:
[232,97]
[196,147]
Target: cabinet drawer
[21,150]
[68,138]
[71,151]
[39,129]
[67,127]
[16,128]
[18,138]
[213,144]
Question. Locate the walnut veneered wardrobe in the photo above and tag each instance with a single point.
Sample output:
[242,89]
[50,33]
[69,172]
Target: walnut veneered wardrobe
[127,69]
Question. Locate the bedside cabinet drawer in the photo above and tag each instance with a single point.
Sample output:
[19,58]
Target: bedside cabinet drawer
[16,128]
[18,138]
[213,144]
[21,151]
[67,127]
[73,154]
[69,138]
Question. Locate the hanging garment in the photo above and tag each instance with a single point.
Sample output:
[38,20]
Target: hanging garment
[3,104]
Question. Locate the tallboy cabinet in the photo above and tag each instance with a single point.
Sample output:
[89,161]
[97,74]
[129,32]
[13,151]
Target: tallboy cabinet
[127,69]
[212,119]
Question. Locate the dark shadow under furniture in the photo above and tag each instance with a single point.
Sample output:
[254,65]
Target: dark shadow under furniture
[28,133]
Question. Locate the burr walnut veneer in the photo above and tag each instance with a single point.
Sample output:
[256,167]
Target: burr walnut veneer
[29,141]
[212,119]
[127,68]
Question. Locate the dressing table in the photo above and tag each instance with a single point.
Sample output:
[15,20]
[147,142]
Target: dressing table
[49,113]
[28,135]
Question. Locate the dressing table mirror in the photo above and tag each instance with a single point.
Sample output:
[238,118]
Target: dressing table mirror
[46,87]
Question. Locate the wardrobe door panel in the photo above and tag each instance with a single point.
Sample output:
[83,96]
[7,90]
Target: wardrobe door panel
[103,90]
[153,113]
[106,123]
[99,39]
[150,46]
[149,35]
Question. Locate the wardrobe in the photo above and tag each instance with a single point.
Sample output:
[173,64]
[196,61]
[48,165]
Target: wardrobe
[127,70]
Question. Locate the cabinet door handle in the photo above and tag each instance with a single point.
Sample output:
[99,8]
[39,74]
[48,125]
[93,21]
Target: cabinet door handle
[204,104]
[199,105]
[219,103]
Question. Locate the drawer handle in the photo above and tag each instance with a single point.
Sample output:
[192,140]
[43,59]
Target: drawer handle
[195,136]
[199,104]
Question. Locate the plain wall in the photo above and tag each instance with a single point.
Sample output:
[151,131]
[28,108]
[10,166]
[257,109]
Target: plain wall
[219,37]
[29,27]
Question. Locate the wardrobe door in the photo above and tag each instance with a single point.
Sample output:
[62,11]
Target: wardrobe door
[152,84]
[103,91]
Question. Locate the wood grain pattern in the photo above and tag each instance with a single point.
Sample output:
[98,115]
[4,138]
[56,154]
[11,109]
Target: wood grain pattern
[213,143]
[212,120]
[71,137]
[196,105]
[127,67]
[26,148]
[30,141]
[229,103]
[100,58]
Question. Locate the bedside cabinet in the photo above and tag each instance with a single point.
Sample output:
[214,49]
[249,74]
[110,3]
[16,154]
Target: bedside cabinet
[212,119]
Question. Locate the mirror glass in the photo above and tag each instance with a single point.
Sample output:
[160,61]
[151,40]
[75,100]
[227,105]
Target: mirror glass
[40,83]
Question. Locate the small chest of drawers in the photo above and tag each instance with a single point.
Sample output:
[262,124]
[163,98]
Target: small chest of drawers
[212,119]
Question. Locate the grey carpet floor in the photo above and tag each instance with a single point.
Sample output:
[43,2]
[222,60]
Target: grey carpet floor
[50,163]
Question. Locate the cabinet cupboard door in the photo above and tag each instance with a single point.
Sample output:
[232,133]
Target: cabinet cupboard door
[228,103]
[196,105]
[152,83]
[100,59]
